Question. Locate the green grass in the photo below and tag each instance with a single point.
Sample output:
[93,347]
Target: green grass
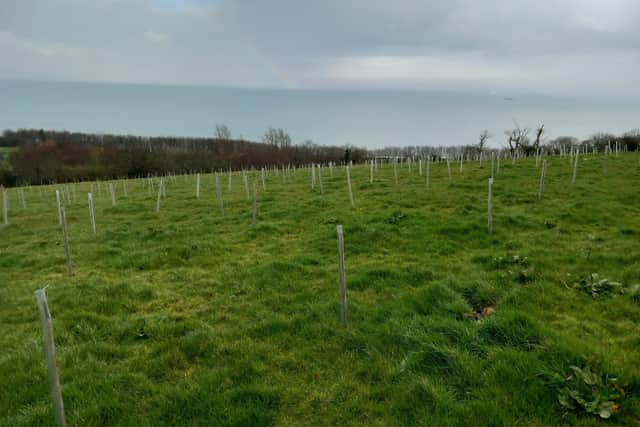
[184,317]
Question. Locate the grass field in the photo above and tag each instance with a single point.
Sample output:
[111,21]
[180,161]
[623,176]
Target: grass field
[185,317]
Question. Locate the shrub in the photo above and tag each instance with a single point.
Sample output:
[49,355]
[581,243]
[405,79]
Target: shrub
[589,389]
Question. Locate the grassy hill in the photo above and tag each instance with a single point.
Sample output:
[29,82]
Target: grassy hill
[188,317]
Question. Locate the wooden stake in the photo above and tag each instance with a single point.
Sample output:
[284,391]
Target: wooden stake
[313,176]
[371,172]
[113,194]
[50,353]
[59,207]
[343,279]
[219,195]
[428,173]
[159,194]
[67,251]
[264,182]
[353,205]
[5,207]
[492,156]
[449,169]
[245,181]
[542,174]
[22,200]
[255,202]
[91,215]
[320,180]
[395,170]
[490,207]
[198,185]
[575,167]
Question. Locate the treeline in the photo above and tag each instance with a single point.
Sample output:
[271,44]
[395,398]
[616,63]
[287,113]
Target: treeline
[53,156]
[525,141]
[43,157]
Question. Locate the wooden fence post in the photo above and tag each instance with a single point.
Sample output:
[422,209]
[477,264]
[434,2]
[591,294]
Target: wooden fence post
[343,280]
[50,353]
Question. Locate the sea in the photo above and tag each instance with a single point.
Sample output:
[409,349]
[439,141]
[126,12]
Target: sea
[371,119]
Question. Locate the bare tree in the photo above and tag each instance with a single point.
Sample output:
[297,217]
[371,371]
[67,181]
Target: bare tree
[483,139]
[539,132]
[277,137]
[223,132]
[517,138]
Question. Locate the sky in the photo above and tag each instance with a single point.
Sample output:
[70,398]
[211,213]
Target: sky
[582,47]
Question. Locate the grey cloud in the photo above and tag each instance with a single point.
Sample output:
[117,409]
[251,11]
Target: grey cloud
[577,46]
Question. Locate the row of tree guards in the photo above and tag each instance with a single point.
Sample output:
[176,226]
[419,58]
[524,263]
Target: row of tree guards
[316,171]
[316,179]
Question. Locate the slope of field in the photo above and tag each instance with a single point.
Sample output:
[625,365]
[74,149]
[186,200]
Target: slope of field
[188,317]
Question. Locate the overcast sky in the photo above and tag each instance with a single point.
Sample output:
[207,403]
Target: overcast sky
[491,46]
